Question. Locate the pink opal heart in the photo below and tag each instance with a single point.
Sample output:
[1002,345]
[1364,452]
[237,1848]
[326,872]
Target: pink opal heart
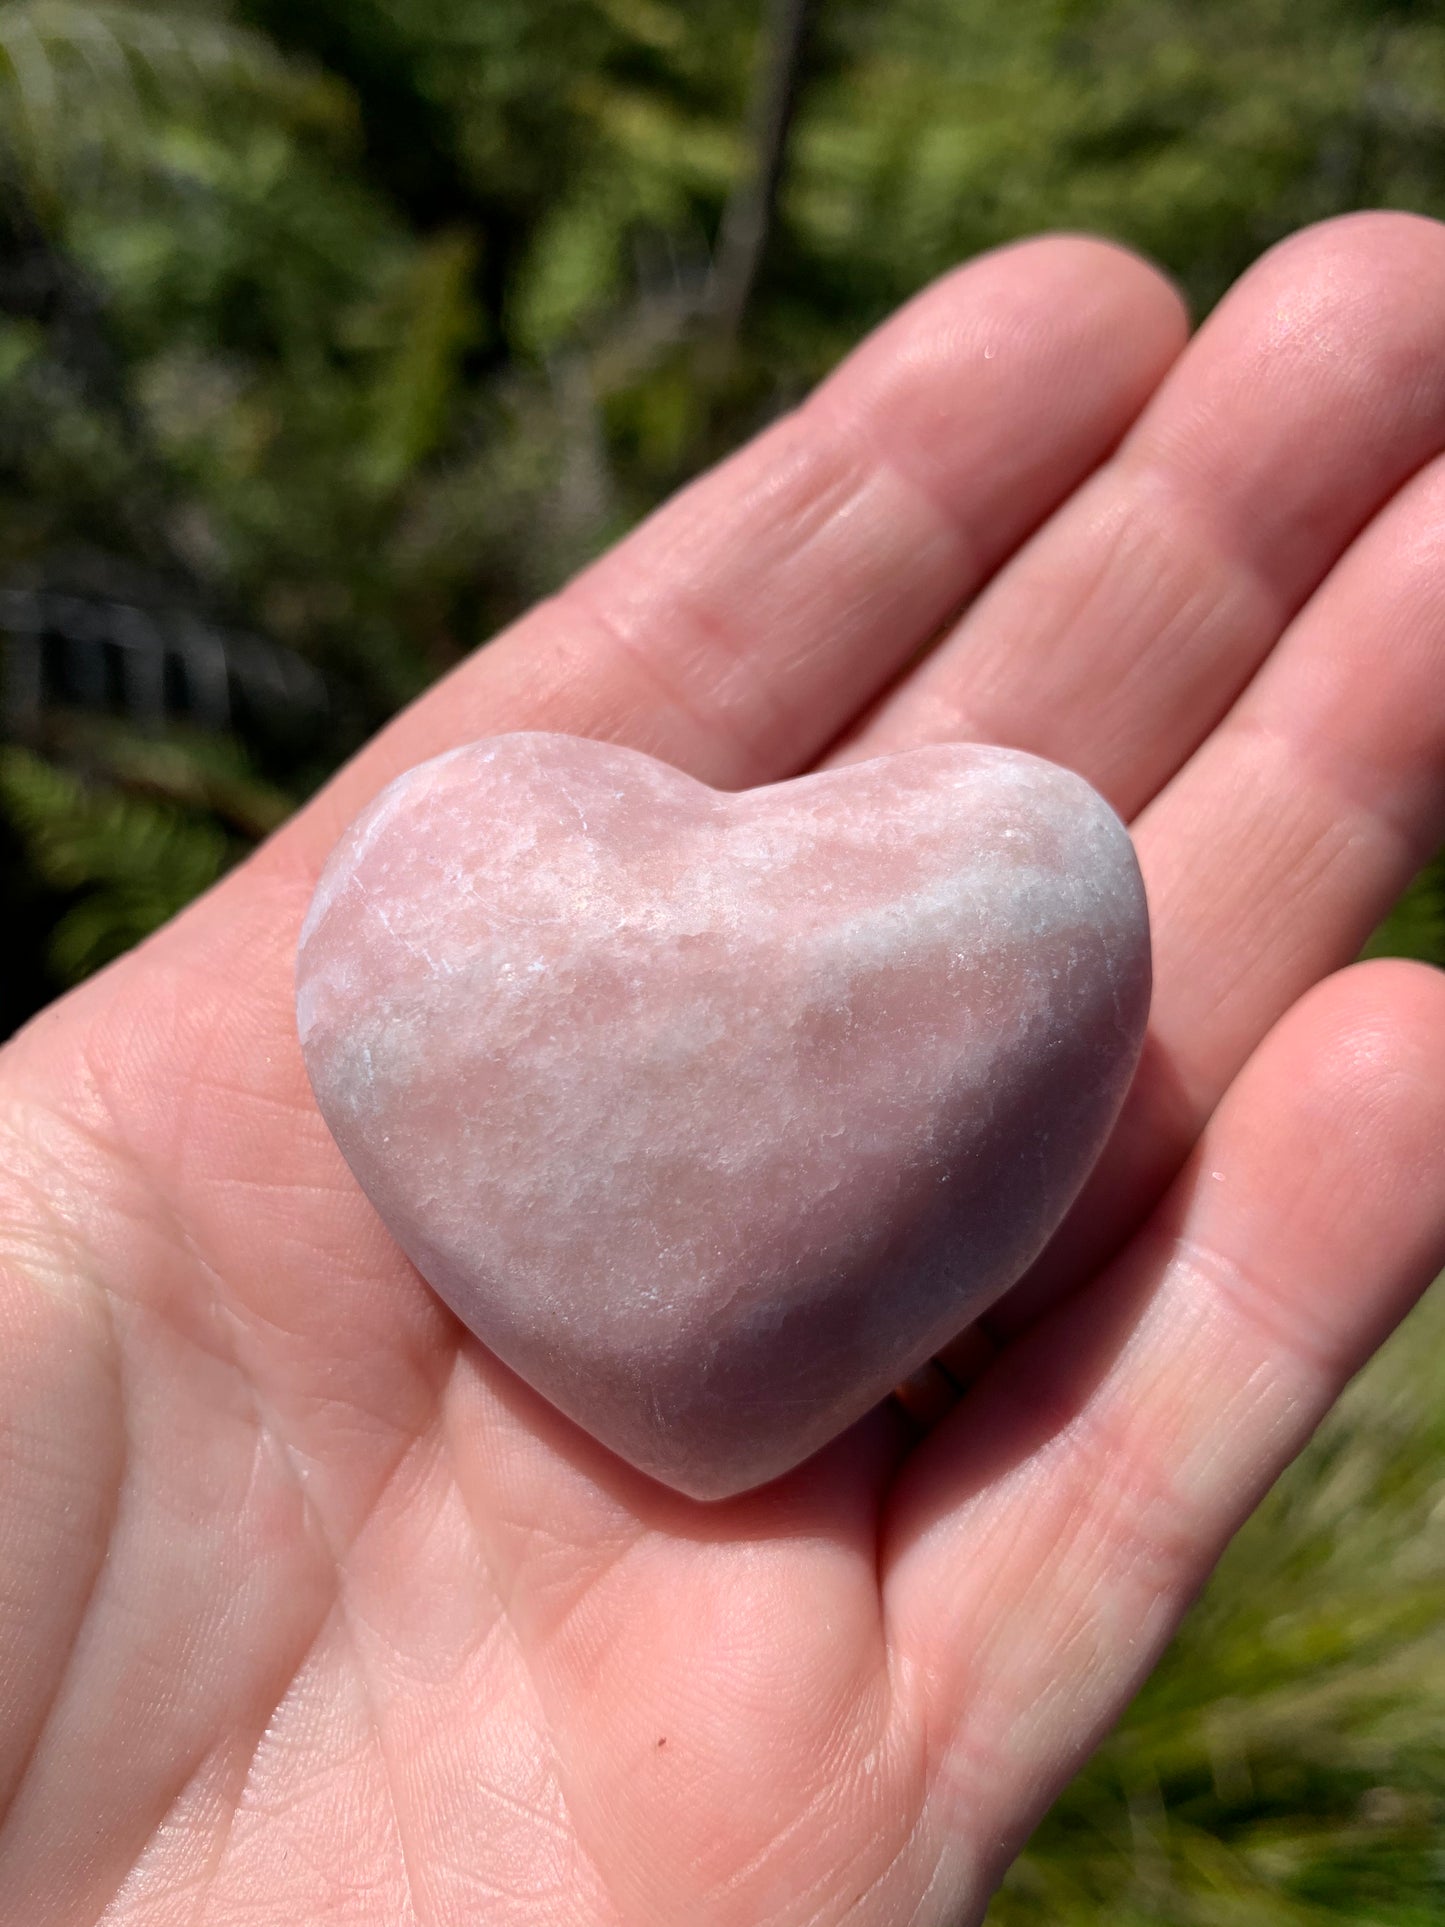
[714,1116]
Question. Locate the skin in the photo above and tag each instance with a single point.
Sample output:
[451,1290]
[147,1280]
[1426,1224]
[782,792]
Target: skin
[310,1611]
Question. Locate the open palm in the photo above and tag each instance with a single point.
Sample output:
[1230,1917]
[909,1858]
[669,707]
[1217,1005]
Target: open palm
[310,1611]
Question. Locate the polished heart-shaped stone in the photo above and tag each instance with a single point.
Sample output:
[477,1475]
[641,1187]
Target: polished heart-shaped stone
[714,1116]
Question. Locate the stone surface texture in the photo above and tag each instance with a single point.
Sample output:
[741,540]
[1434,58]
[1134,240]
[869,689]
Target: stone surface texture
[716,1115]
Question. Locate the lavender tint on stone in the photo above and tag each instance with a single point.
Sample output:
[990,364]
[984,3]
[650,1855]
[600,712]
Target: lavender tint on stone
[714,1115]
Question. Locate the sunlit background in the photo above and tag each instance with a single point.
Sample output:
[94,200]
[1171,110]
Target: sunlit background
[333,332]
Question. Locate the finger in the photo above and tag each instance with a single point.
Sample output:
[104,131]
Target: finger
[738,630]
[1119,636]
[1275,852]
[1046,1540]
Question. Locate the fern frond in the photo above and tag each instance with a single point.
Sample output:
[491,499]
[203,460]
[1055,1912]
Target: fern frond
[130,862]
[79,73]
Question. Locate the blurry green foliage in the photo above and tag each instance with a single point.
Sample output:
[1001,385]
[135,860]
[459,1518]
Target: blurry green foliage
[364,321]
[123,863]
[1416,925]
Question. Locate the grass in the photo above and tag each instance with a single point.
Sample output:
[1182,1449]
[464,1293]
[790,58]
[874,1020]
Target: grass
[1285,1767]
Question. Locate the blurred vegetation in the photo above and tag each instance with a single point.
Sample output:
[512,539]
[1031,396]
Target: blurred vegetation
[332,332]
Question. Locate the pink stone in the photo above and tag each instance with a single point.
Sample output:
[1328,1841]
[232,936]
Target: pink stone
[715,1116]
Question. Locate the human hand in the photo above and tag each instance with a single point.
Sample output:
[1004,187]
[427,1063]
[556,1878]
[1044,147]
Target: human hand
[310,1611]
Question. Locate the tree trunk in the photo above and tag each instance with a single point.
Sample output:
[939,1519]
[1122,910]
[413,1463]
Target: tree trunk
[751,211]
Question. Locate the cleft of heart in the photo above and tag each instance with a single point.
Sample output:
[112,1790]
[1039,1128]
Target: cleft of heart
[716,1115]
